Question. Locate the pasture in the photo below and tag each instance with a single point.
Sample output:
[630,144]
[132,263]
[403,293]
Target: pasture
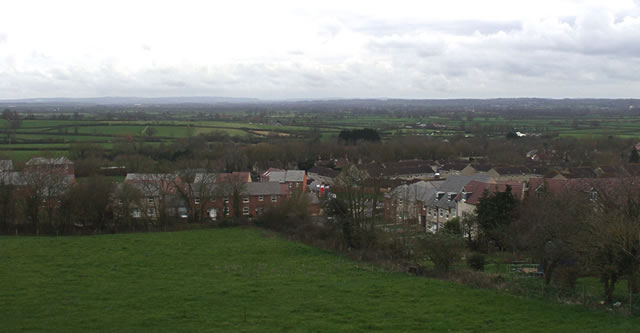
[41,132]
[240,279]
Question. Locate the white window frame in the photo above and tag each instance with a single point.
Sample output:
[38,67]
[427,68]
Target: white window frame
[274,198]
[196,201]
[245,199]
[261,198]
[245,211]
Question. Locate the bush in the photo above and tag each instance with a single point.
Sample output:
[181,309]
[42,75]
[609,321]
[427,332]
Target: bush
[443,249]
[476,262]
[566,276]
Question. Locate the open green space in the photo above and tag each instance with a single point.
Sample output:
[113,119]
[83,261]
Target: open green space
[239,279]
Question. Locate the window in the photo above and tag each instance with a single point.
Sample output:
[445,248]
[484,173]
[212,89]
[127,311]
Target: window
[226,200]
[196,201]
[245,199]
[121,202]
[261,198]
[453,212]
[441,213]
[245,211]
[225,211]
[150,200]
[274,198]
[428,211]
[135,212]
[150,212]
[593,195]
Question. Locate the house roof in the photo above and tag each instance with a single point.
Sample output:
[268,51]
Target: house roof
[475,189]
[450,187]
[512,170]
[149,177]
[208,177]
[611,172]
[270,170]
[287,176]
[324,171]
[12,178]
[6,165]
[419,191]
[453,166]
[633,169]
[49,161]
[241,176]
[579,173]
[481,167]
[265,188]
[563,186]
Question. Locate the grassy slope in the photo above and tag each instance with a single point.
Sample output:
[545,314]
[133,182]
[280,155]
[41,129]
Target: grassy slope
[238,280]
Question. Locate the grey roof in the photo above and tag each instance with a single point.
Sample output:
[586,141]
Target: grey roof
[12,178]
[6,165]
[149,176]
[207,177]
[452,185]
[287,176]
[48,161]
[264,188]
[419,191]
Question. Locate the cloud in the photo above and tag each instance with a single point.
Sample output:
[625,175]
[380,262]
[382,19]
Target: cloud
[550,49]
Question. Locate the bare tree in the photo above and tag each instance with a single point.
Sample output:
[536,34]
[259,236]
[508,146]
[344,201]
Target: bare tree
[547,229]
[232,187]
[127,198]
[43,191]
[198,191]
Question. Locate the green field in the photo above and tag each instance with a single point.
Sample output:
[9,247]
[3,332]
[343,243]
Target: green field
[241,280]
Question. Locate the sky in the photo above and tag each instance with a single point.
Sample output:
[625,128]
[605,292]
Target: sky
[320,49]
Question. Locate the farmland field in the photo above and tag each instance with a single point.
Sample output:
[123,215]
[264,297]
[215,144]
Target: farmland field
[242,280]
[46,132]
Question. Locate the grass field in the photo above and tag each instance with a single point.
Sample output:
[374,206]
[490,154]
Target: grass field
[240,280]
[92,128]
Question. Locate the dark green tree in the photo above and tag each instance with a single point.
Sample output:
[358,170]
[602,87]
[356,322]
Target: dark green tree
[635,156]
[495,213]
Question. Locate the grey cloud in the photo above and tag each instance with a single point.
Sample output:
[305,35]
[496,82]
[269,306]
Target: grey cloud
[464,27]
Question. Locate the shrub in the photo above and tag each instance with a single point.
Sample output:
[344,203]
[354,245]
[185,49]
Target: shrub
[476,262]
[443,249]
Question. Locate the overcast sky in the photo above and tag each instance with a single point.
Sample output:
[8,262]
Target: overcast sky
[296,49]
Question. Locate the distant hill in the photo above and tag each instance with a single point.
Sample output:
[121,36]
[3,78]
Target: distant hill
[368,105]
[131,100]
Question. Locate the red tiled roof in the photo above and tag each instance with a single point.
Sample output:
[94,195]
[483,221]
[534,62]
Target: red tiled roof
[477,188]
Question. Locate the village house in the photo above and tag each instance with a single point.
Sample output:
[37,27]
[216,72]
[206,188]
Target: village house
[293,179]
[570,173]
[255,198]
[451,169]
[159,192]
[47,183]
[516,173]
[42,164]
[441,206]
[6,165]
[476,169]
[323,175]
[404,204]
